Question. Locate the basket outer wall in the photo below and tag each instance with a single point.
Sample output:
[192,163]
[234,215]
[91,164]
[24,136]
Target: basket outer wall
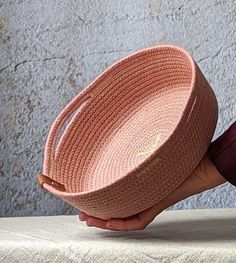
[148,185]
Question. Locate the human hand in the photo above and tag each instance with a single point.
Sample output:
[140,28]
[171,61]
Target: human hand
[204,177]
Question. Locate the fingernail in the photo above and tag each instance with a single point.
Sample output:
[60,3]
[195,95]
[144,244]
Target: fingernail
[81,216]
[109,225]
[88,223]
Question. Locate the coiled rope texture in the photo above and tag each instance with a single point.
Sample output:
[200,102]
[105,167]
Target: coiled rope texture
[138,131]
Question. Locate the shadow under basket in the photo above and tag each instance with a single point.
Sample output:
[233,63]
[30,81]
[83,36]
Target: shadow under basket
[132,136]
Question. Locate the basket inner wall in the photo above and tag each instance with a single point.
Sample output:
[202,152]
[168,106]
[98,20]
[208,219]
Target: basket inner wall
[136,106]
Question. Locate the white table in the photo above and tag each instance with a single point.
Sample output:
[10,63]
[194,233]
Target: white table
[174,236]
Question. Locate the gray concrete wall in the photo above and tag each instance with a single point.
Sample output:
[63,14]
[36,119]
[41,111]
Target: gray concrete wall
[51,49]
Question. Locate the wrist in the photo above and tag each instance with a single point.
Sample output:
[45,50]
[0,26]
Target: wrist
[212,175]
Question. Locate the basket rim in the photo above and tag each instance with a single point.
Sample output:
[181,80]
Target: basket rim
[90,87]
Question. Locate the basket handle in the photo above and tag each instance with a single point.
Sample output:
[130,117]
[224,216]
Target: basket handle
[70,108]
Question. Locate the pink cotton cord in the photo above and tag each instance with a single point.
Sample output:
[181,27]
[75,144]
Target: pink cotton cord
[121,152]
[55,128]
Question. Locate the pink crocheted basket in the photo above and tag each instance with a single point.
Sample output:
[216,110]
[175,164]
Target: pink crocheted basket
[138,130]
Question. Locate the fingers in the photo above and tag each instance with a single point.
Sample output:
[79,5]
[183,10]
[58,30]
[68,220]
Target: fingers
[136,222]
[130,224]
[94,221]
[82,216]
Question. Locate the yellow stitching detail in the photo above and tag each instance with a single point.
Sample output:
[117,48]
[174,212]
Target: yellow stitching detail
[152,146]
[149,168]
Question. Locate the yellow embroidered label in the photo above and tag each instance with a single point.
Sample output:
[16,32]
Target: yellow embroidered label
[149,169]
[151,147]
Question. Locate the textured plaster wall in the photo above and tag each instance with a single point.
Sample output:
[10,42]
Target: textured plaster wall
[51,49]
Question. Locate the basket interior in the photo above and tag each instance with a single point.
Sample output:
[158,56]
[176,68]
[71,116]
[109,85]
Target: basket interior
[137,105]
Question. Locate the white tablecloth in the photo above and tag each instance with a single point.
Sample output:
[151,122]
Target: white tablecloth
[174,236]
